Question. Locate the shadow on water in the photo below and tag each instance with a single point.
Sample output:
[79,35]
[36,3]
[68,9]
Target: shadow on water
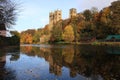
[7,74]
[61,62]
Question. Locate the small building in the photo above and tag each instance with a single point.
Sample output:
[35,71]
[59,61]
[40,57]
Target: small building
[3,30]
[115,38]
[44,38]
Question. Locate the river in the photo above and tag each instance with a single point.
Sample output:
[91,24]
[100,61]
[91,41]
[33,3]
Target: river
[60,62]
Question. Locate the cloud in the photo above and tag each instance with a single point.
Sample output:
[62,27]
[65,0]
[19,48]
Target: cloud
[85,4]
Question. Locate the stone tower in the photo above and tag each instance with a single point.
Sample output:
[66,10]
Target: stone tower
[54,17]
[57,15]
[73,12]
[51,18]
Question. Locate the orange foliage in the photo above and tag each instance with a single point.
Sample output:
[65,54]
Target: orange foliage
[26,38]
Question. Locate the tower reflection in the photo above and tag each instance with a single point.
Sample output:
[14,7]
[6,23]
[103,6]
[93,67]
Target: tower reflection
[92,62]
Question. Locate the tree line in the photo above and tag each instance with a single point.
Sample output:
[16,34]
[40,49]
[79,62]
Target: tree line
[89,25]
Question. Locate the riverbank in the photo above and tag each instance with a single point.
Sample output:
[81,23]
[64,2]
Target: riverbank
[106,43]
[87,43]
[91,43]
[95,43]
[9,41]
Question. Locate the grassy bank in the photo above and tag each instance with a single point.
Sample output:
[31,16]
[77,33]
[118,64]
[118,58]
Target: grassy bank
[90,43]
[85,43]
[106,43]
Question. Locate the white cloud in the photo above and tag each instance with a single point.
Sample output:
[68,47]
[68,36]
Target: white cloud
[85,4]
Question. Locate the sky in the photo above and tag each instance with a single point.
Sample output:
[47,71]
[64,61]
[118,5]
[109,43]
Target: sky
[34,14]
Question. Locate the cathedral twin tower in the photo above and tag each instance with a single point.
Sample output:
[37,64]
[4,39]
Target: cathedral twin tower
[57,15]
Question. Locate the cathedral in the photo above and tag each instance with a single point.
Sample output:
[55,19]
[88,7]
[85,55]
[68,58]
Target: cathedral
[57,15]
[54,17]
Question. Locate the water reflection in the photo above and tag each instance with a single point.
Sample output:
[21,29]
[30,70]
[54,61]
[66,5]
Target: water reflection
[60,62]
[2,64]
[92,62]
[6,74]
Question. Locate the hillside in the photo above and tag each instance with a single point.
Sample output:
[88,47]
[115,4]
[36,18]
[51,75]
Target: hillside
[86,26]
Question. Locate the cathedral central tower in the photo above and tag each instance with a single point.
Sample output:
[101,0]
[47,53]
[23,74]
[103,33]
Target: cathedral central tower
[73,13]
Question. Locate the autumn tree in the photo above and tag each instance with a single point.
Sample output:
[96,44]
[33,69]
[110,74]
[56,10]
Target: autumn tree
[88,15]
[74,22]
[30,31]
[36,36]
[38,33]
[68,34]
[107,21]
[88,24]
[115,16]
[46,30]
[87,30]
[29,38]
[26,38]
[103,24]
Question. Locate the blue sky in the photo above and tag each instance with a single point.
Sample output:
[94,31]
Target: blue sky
[34,14]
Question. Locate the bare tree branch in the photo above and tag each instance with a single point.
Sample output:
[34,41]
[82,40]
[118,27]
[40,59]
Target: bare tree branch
[8,12]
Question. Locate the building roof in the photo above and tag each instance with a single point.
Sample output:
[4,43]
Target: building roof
[113,36]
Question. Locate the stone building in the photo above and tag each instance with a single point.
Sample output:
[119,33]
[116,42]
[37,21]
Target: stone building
[3,30]
[54,17]
[72,13]
[51,18]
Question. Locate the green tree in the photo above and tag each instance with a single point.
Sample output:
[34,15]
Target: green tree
[15,33]
[88,15]
[87,30]
[56,35]
[15,39]
[36,37]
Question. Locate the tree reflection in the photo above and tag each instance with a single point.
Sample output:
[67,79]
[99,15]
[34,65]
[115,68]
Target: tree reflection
[2,64]
[15,57]
[5,73]
[92,62]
